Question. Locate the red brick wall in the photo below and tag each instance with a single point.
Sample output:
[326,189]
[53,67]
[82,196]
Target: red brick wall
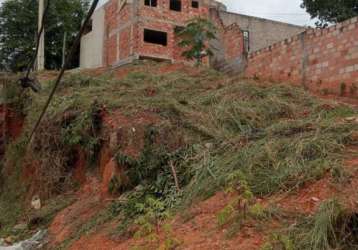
[161,18]
[124,15]
[323,60]
[230,44]
[110,23]
[124,35]
[111,50]
[233,42]
[124,44]
[156,50]
[162,11]
[111,17]
[124,31]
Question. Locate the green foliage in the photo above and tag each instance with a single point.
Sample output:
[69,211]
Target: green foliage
[14,95]
[82,130]
[257,211]
[11,207]
[226,215]
[18,24]
[331,11]
[115,185]
[331,227]
[324,221]
[195,38]
[279,241]
[228,135]
[152,170]
[152,211]
[151,191]
[149,225]
[170,241]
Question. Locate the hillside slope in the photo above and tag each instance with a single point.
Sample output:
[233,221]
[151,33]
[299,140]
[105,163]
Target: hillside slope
[159,156]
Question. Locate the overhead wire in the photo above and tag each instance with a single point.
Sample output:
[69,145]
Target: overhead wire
[64,66]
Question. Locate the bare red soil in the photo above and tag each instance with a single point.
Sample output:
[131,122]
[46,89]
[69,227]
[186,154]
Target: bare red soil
[12,122]
[201,231]
[308,198]
[73,217]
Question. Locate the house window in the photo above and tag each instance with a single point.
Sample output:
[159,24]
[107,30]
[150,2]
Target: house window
[246,35]
[195,4]
[151,3]
[156,37]
[175,5]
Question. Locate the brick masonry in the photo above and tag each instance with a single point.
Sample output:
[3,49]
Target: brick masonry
[117,34]
[324,60]
[125,24]
[228,48]
[233,41]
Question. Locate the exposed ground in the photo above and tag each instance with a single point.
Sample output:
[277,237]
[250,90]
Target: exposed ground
[160,156]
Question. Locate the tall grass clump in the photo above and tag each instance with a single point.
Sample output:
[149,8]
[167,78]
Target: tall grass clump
[331,227]
[279,137]
[276,137]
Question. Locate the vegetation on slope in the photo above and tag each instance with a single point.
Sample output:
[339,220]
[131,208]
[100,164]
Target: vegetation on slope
[237,136]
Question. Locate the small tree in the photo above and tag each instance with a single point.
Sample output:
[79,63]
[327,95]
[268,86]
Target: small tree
[331,11]
[195,38]
[18,28]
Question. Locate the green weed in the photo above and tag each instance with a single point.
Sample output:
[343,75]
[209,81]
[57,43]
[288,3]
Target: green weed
[235,136]
[330,228]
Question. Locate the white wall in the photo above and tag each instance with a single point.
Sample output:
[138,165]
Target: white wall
[92,43]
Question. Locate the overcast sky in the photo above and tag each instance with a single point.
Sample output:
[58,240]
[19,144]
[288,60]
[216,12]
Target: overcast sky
[281,10]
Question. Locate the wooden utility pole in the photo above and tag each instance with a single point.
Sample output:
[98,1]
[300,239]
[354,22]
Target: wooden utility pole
[41,53]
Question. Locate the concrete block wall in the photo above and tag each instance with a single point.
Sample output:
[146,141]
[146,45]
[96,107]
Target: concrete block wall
[324,60]
[262,32]
[92,43]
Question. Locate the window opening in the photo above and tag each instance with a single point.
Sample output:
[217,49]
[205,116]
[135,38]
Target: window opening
[151,3]
[195,4]
[156,37]
[175,5]
[246,40]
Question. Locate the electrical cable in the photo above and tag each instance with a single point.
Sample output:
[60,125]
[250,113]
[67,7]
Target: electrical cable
[26,81]
[64,66]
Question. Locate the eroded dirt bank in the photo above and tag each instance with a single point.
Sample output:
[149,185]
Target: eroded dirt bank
[182,158]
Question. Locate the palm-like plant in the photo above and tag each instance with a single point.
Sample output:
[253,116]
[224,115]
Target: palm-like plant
[195,38]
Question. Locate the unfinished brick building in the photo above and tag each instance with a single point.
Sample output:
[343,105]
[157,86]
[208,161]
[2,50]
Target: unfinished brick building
[125,30]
